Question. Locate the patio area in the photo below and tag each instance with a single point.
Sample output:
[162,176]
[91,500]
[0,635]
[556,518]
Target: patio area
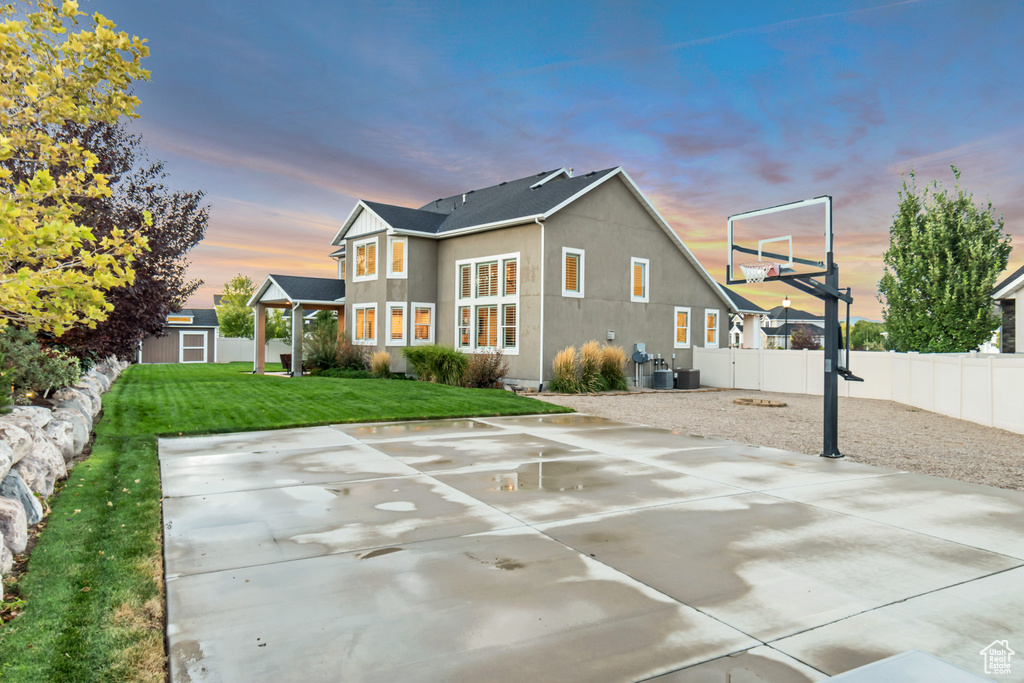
[569,547]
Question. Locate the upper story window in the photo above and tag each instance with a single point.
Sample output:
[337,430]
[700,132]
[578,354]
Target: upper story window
[366,260]
[397,261]
[487,303]
[639,279]
[572,272]
[711,333]
[341,268]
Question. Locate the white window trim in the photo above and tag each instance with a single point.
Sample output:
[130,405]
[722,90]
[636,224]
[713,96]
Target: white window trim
[390,306]
[341,268]
[647,279]
[718,324]
[675,327]
[181,346]
[580,270]
[404,275]
[473,301]
[412,323]
[355,317]
[355,260]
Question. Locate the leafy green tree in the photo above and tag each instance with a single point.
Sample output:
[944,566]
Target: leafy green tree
[54,271]
[867,335]
[803,338]
[279,326]
[944,256]
[233,314]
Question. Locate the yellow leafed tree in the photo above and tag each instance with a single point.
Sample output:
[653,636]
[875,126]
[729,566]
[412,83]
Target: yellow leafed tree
[53,270]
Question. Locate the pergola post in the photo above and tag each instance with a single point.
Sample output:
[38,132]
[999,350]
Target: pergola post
[259,338]
[296,340]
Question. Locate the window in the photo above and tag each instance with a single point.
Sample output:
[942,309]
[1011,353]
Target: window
[487,279]
[465,331]
[423,323]
[508,326]
[341,269]
[366,260]
[487,327]
[487,302]
[396,324]
[639,279]
[682,339]
[397,247]
[572,272]
[711,337]
[364,324]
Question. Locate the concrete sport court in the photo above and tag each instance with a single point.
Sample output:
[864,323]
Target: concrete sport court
[570,548]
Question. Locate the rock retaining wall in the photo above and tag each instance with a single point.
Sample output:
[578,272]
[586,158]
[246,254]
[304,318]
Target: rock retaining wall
[37,449]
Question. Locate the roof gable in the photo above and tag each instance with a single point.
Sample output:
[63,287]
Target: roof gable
[299,289]
[1010,285]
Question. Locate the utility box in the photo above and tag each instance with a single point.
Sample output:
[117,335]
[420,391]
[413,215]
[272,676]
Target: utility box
[661,379]
[687,379]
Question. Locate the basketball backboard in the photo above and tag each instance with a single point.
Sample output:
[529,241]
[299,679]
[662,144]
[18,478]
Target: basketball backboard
[784,242]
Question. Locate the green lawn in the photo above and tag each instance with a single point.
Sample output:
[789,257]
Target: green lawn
[94,587]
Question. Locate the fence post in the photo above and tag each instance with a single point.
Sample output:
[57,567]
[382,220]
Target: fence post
[991,393]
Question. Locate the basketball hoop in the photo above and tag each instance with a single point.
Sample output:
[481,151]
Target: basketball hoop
[755,273]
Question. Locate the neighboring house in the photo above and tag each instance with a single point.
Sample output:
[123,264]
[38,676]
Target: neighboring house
[780,326]
[746,330]
[778,335]
[1009,297]
[527,267]
[191,337]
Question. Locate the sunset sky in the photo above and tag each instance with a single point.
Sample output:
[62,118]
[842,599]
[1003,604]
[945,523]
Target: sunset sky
[286,113]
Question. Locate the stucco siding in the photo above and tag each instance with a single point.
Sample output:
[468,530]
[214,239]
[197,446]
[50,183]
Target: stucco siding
[612,226]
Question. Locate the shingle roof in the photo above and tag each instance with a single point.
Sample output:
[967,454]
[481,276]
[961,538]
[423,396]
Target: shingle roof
[201,317]
[787,329]
[310,288]
[779,312]
[742,304]
[1016,274]
[498,203]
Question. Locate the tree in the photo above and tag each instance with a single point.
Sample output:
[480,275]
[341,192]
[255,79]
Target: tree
[233,313]
[54,271]
[944,256]
[177,223]
[279,327]
[803,338]
[867,336]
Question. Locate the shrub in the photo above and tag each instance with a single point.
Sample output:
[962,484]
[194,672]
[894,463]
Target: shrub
[486,370]
[590,368]
[613,368]
[566,371]
[351,357]
[342,373]
[28,367]
[380,365]
[803,338]
[320,345]
[437,363]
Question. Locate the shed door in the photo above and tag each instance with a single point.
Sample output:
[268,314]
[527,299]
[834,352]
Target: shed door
[193,347]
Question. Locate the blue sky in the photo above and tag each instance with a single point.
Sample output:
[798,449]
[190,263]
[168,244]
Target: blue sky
[286,114]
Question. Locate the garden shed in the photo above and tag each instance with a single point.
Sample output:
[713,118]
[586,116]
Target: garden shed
[190,337]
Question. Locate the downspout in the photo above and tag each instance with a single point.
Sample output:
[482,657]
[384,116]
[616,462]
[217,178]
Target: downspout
[540,361]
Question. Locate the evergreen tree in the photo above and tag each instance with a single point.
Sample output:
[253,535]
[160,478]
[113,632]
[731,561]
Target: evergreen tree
[944,256]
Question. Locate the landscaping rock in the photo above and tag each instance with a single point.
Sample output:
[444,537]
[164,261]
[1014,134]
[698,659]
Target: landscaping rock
[102,380]
[6,559]
[81,407]
[15,488]
[81,426]
[63,434]
[90,391]
[19,441]
[13,525]
[37,415]
[6,459]
[43,467]
[77,399]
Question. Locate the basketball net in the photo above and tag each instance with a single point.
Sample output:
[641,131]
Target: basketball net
[755,273]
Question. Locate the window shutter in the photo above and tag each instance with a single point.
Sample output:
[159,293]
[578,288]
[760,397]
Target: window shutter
[398,257]
[466,286]
[371,258]
[638,279]
[572,282]
[397,324]
[511,277]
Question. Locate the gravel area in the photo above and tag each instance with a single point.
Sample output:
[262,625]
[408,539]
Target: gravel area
[875,432]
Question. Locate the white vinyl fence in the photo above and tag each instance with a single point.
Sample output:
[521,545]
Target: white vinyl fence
[988,390]
[234,349]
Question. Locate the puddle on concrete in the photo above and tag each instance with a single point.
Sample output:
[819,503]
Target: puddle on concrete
[188,656]
[397,506]
[553,476]
[379,552]
[503,563]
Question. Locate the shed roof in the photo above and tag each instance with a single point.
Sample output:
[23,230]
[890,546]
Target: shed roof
[201,317]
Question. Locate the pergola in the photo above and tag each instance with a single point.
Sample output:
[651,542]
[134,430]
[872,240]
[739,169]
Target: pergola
[299,294]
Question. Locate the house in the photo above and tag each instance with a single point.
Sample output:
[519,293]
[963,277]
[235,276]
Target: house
[780,325]
[190,337]
[746,330]
[299,296]
[526,267]
[1009,297]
